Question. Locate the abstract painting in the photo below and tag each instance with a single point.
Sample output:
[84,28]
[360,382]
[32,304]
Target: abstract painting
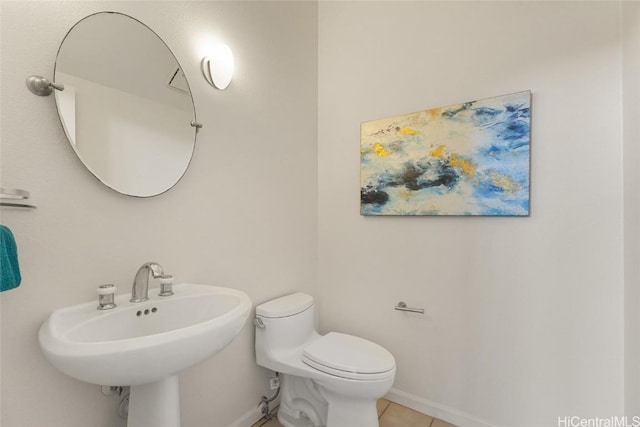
[464,159]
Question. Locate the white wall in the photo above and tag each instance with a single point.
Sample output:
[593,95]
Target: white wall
[631,134]
[524,316]
[243,216]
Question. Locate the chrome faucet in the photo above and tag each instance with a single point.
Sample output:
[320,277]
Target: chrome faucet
[140,289]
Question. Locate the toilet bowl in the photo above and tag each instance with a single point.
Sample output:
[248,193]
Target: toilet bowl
[331,380]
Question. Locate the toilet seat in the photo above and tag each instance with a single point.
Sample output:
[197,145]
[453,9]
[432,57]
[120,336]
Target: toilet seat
[349,357]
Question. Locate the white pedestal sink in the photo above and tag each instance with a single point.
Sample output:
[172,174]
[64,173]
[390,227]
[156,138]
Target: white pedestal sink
[145,345]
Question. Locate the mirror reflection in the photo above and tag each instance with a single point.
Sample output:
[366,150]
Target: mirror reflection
[126,107]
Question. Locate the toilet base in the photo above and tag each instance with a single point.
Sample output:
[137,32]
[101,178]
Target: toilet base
[289,421]
[307,403]
[352,413]
[301,404]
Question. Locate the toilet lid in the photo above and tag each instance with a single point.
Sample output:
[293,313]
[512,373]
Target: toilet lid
[285,306]
[349,357]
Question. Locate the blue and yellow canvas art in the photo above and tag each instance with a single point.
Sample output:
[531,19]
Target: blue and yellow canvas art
[464,159]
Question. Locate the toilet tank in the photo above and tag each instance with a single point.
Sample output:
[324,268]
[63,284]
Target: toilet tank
[288,322]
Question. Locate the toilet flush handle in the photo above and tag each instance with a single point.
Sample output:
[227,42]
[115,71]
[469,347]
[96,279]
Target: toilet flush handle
[259,323]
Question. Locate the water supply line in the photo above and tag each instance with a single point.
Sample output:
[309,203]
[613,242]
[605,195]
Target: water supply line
[263,406]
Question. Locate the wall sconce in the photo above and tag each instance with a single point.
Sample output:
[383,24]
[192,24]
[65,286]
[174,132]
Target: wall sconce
[218,67]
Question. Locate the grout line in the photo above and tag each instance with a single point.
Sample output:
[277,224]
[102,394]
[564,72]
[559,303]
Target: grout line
[384,410]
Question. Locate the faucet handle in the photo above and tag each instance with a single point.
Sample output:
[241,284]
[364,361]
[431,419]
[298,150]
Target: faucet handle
[106,297]
[156,269]
[166,285]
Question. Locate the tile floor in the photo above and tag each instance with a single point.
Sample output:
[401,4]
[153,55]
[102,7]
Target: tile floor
[391,415]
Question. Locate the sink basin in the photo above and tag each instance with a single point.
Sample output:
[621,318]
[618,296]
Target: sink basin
[144,342]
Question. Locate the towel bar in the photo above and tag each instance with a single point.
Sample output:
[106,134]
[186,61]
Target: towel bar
[402,306]
[15,197]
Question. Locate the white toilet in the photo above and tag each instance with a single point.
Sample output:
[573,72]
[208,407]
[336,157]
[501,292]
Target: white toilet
[332,380]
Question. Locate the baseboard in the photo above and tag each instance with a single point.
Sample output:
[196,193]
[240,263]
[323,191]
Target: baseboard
[419,404]
[247,419]
[425,406]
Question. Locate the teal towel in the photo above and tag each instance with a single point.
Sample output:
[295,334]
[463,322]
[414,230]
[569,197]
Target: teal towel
[9,270]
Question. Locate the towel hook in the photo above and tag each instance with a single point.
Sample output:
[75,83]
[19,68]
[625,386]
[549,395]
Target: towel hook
[42,86]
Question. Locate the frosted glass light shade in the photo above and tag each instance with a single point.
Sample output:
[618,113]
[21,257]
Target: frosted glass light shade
[218,67]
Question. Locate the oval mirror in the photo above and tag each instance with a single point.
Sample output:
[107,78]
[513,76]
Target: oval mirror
[126,106]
